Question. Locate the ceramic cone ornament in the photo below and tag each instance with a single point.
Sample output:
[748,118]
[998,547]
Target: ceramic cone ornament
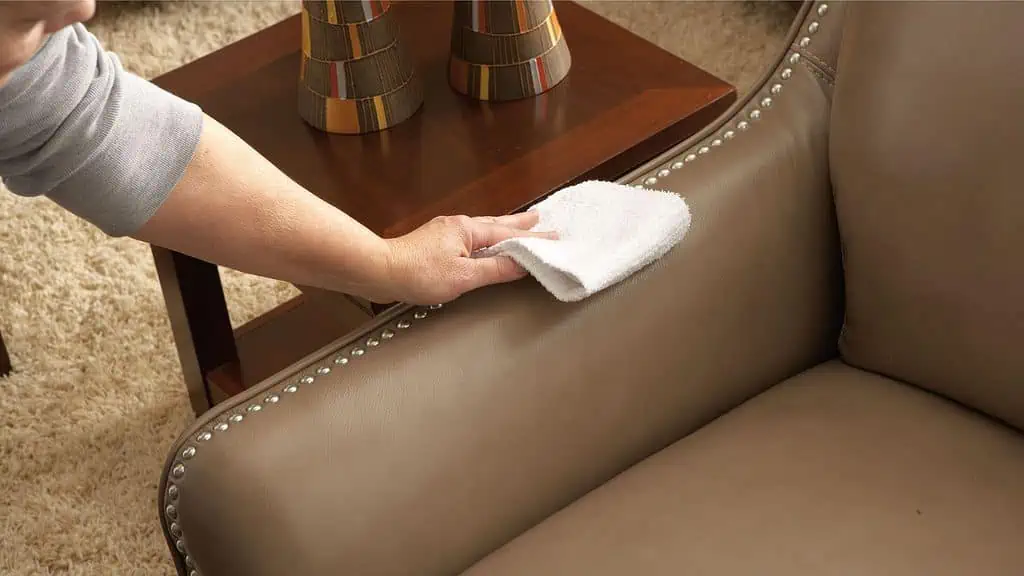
[506,49]
[355,75]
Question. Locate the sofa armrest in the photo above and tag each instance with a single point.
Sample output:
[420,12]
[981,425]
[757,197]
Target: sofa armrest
[426,441]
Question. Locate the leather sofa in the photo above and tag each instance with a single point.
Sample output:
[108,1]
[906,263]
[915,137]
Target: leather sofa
[825,377]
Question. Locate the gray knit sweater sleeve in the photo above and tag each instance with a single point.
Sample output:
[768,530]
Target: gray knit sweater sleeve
[105,144]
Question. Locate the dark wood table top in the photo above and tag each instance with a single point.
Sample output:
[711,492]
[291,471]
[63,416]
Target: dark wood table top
[624,101]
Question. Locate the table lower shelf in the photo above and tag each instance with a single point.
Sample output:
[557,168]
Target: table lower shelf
[282,337]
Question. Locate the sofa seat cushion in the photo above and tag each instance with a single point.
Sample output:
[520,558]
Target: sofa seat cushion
[835,471]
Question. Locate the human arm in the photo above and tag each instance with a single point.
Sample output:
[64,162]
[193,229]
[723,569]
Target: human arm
[137,161]
[235,208]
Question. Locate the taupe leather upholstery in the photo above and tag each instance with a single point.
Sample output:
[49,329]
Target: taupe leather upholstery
[835,471]
[926,145]
[717,413]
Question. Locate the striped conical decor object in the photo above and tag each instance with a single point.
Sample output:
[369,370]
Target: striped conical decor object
[355,75]
[506,49]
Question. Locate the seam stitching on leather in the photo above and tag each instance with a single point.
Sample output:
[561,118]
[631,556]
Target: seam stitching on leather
[757,105]
[819,73]
[819,62]
[816,66]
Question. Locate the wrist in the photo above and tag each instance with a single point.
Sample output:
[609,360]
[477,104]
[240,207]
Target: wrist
[367,272]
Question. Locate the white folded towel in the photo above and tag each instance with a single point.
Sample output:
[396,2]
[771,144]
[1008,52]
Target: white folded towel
[606,232]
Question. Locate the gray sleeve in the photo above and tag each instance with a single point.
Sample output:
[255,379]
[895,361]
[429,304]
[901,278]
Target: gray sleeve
[78,128]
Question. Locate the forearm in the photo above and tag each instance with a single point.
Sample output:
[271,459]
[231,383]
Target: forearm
[234,208]
[135,160]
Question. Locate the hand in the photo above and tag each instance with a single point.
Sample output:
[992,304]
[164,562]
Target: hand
[433,264]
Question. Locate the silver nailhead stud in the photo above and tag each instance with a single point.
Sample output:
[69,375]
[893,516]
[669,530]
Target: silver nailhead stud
[776,88]
[716,142]
[650,181]
[291,389]
[175,529]
[662,173]
[236,418]
[766,102]
[180,545]
[435,306]
[372,342]
[189,562]
[729,134]
[171,511]
[193,573]
[690,158]
[188,453]
[805,42]
[221,427]
[403,324]
[420,315]
[794,58]
[787,73]
[812,27]
[172,492]
[254,408]
[307,380]
[323,370]
[178,471]
[755,114]
[703,150]
[341,360]
[822,10]
[677,165]
[204,436]
[387,334]
[743,125]
[272,399]
[358,352]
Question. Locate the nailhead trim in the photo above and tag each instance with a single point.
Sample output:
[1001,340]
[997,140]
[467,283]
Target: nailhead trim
[759,105]
[274,396]
[729,132]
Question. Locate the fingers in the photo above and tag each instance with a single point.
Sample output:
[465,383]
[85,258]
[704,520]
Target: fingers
[493,270]
[521,220]
[484,234]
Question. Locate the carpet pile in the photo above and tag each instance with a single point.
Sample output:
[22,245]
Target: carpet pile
[97,394]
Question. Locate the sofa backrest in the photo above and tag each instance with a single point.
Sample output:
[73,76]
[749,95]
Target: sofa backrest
[927,160]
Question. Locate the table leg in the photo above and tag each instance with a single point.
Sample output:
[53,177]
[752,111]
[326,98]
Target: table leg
[199,320]
[5,360]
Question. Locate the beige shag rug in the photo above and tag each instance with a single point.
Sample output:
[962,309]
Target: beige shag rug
[97,395]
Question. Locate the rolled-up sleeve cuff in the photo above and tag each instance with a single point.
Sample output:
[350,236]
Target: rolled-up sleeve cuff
[152,139]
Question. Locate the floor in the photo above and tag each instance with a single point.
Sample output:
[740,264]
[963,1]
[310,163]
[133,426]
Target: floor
[97,395]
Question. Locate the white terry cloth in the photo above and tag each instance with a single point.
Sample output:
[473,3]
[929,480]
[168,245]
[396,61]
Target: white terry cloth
[607,231]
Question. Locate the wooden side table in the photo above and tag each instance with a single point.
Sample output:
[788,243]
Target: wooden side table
[624,101]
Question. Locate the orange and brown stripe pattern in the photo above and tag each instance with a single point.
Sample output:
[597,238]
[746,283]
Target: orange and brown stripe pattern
[382,71]
[345,41]
[511,81]
[501,16]
[346,11]
[354,76]
[506,49]
[359,116]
